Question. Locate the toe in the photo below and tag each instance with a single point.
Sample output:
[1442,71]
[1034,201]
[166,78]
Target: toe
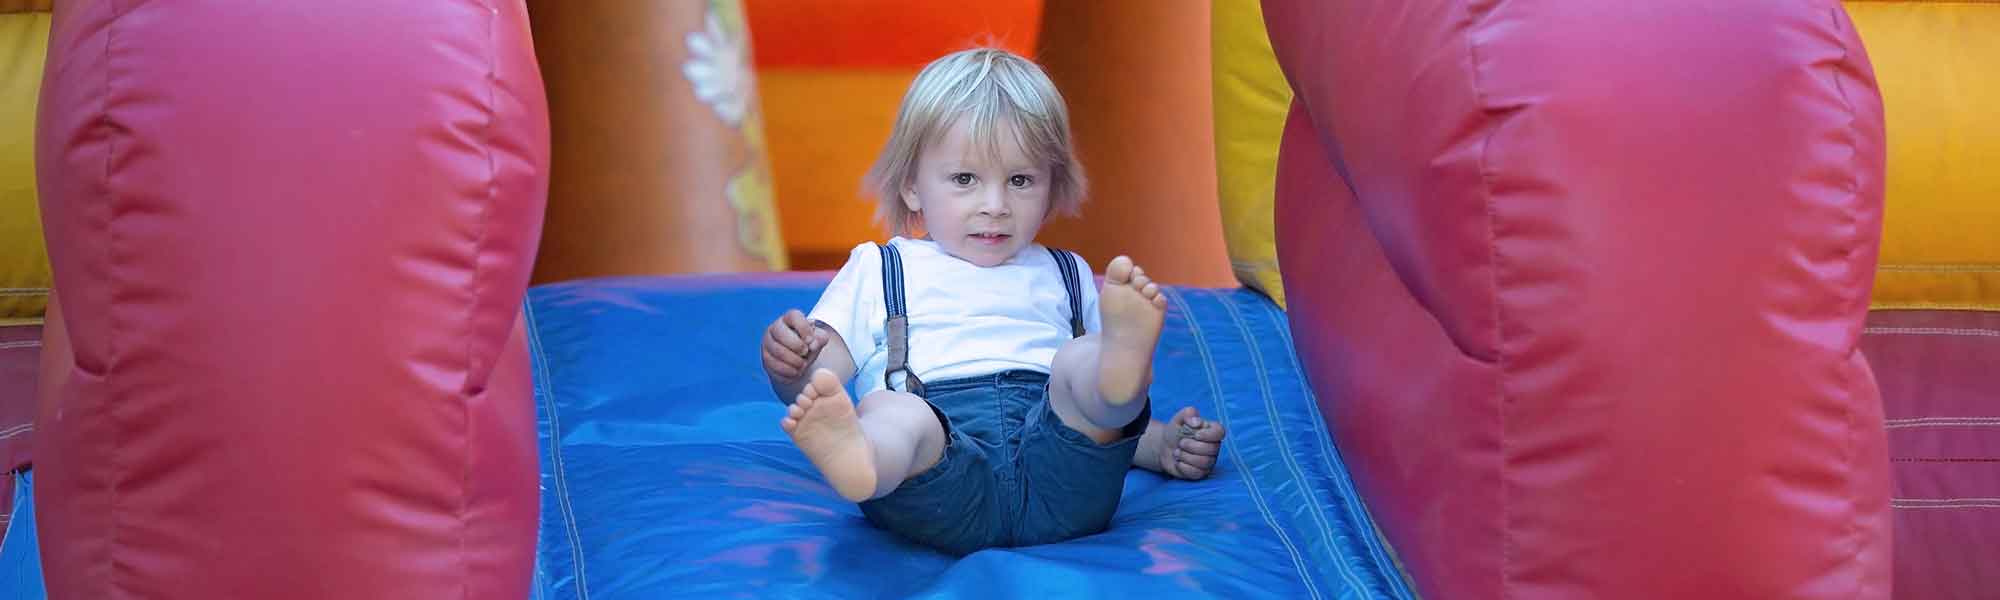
[1119,271]
[824,383]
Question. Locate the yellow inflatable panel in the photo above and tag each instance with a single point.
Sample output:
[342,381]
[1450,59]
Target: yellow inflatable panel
[1251,98]
[24,262]
[1939,68]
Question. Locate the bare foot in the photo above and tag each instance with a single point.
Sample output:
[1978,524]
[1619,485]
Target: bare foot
[1191,446]
[1132,309]
[823,424]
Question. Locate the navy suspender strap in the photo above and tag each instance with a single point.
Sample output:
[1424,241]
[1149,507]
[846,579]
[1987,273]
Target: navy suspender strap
[898,326]
[1073,284]
[898,311]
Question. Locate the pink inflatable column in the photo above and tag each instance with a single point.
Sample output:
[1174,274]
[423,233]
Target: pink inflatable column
[290,244]
[1579,286]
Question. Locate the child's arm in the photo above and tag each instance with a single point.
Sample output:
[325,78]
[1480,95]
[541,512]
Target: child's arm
[795,347]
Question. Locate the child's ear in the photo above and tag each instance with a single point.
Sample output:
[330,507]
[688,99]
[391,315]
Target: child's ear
[910,199]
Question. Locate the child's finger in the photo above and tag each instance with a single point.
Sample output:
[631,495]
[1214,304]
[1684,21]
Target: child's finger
[775,341]
[1196,462]
[789,339]
[1214,432]
[1183,421]
[785,357]
[817,341]
[795,363]
[798,323]
[1194,446]
[786,373]
[780,369]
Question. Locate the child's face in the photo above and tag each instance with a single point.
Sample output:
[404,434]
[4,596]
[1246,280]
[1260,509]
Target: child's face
[982,209]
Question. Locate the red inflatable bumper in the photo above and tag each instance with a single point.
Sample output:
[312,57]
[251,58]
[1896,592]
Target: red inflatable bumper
[290,244]
[1580,285]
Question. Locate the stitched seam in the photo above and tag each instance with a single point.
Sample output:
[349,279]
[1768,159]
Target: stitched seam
[1357,507]
[16,430]
[114,561]
[1249,477]
[1853,529]
[538,582]
[1284,445]
[1912,268]
[1974,306]
[1941,419]
[13,503]
[30,292]
[1965,423]
[1499,327]
[1942,500]
[20,344]
[1271,418]
[546,385]
[478,290]
[1947,331]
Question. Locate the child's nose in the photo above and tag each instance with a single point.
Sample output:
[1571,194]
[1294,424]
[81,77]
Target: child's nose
[993,203]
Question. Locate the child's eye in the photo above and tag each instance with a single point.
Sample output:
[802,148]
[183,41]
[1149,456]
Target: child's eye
[1021,181]
[961,178]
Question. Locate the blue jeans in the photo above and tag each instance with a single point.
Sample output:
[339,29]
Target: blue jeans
[1012,474]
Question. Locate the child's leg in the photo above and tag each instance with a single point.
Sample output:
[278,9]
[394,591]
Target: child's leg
[894,437]
[1098,377]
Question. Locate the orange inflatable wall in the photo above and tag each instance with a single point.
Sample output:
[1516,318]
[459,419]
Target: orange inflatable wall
[1135,74]
[659,164]
[832,73]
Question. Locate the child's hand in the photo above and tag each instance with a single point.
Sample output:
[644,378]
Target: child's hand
[790,344]
[1184,448]
[1198,443]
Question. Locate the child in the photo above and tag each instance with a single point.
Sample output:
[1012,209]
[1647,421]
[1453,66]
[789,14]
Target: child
[1003,399]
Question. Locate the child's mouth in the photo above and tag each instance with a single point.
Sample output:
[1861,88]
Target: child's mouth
[990,238]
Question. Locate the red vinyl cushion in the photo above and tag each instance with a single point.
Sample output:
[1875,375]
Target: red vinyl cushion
[290,244]
[1579,287]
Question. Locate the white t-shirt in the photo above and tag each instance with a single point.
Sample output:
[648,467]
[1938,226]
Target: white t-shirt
[965,320]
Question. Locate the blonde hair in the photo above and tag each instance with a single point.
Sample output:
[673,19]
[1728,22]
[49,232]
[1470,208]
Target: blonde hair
[1008,99]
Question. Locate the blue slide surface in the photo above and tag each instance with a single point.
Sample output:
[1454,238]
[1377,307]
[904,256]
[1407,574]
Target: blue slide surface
[666,475]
